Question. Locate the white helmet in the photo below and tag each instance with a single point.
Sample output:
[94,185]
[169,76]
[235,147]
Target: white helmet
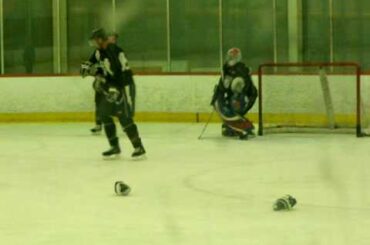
[234,55]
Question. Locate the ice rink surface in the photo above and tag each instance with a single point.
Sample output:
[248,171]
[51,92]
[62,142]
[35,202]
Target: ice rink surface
[55,189]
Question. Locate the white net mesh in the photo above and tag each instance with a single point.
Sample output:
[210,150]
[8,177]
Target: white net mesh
[311,98]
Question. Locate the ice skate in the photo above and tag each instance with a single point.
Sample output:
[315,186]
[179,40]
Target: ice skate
[138,152]
[113,152]
[96,130]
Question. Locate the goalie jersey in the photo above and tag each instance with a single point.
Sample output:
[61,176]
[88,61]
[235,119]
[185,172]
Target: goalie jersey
[223,91]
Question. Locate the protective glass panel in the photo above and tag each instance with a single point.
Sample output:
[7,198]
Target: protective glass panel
[351,38]
[316,31]
[28,36]
[282,40]
[142,27]
[195,36]
[248,25]
[82,18]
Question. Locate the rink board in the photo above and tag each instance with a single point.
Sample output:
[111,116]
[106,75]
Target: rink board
[300,119]
[166,98]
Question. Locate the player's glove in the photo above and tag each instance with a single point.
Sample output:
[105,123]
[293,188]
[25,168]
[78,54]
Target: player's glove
[113,95]
[98,83]
[90,69]
[85,69]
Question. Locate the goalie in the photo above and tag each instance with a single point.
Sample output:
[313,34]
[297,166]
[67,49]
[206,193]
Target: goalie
[234,96]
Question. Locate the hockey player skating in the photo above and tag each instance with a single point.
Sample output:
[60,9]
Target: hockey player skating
[109,66]
[234,96]
[112,38]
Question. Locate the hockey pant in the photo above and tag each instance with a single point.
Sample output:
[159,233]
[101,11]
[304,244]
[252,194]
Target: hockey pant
[233,124]
[123,111]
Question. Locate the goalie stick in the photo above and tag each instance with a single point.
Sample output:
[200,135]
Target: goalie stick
[221,37]
[206,125]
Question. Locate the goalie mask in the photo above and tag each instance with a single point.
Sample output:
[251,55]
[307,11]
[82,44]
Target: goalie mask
[233,56]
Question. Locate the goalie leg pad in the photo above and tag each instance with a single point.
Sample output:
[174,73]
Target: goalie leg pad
[233,122]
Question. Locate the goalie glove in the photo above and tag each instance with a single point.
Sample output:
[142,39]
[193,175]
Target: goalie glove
[226,81]
[113,95]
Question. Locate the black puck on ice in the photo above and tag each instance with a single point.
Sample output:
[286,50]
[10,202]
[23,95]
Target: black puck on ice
[121,188]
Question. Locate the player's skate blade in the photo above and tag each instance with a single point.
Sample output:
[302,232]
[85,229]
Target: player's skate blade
[113,152]
[96,130]
[138,152]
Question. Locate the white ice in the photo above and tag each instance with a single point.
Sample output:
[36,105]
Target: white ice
[55,189]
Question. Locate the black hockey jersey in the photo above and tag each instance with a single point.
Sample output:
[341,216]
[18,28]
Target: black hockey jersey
[114,66]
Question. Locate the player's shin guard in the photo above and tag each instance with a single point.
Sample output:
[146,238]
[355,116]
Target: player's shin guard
[133,134]
[110,131]
[98,123]
[98,116]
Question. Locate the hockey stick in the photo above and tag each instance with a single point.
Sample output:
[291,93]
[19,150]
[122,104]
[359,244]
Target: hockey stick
[206,125]
[221,39]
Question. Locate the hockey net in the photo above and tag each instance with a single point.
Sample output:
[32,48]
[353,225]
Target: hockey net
[312,98]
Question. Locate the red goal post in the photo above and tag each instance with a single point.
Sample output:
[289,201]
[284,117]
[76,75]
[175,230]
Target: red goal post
[298,72]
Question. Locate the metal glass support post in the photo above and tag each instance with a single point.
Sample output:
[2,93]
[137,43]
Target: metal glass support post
[2,65]
[295,30]
[168,19]
[60,36]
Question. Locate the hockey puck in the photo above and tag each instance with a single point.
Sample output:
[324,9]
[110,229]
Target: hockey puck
[121,188]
